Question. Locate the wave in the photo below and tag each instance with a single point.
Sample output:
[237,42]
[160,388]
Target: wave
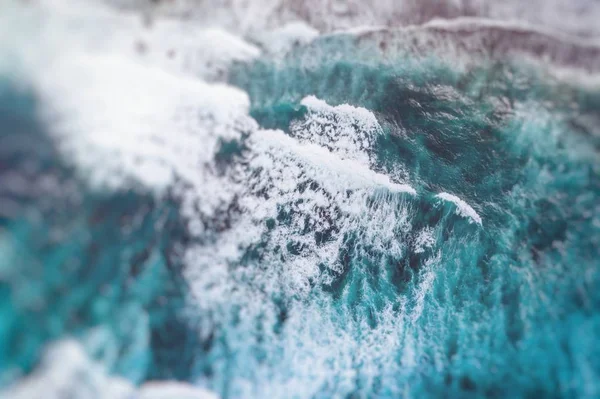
[348,131]
[322,166]
[309,259]
[462,208]
[470,39]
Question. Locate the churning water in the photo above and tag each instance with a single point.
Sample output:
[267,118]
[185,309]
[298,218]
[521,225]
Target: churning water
[410,212]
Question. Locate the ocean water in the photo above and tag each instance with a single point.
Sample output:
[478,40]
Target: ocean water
[381,214]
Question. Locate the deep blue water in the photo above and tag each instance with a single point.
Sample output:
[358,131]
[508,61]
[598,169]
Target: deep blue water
[508,308]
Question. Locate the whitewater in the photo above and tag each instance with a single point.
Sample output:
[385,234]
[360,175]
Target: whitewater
[207,207]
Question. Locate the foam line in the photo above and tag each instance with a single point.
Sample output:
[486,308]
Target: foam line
[462,208]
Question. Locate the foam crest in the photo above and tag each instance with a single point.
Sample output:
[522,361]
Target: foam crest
[462,208]
[347,131]
[325,167]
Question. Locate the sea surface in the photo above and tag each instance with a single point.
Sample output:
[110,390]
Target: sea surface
[392,212]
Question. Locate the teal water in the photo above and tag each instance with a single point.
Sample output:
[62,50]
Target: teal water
[102,267]
[346,292]
[513,308]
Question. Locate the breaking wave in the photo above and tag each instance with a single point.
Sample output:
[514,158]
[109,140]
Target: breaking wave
[345,215]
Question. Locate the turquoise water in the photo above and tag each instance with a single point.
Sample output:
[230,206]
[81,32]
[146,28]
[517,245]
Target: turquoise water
[512,311]
[99,266]
[416,300]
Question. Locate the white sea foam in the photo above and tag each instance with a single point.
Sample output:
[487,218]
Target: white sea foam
[279,175]
[123,117]
[424,240]
[425,283]
[321,192]
[348,131]
[185,47]
[462,208]
[326,166]
[172,390]
[66,371]
[281,40]
[119,107]
[58,28]
[119,120]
